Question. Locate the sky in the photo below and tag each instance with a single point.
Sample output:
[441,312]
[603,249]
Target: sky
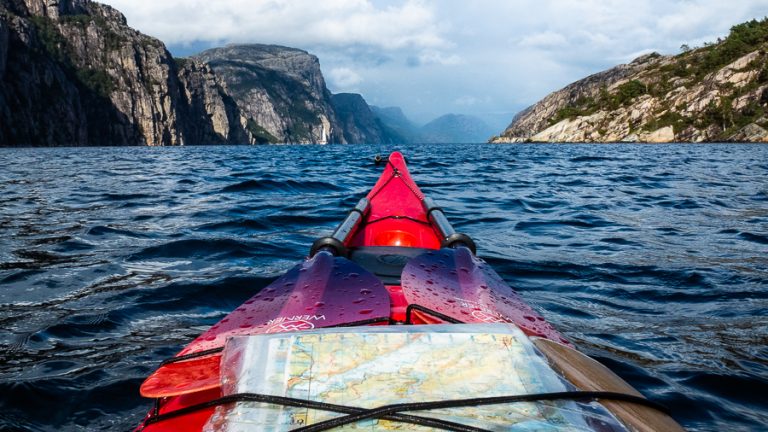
[487,58]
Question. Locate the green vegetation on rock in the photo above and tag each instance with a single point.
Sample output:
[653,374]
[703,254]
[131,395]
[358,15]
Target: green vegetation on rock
[97,81]
[262,135]
[57,47]
[585,106]
[695,92]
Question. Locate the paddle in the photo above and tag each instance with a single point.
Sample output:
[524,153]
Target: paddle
[454,285]
[324,291]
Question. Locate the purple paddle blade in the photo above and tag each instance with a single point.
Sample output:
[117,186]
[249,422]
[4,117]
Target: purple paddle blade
[321,292]
[457,284]
[324,291]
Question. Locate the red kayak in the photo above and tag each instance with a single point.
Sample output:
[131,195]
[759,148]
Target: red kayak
[394,270]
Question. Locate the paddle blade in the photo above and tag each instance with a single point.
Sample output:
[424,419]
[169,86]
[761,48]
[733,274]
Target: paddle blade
[457,284]
[324,291]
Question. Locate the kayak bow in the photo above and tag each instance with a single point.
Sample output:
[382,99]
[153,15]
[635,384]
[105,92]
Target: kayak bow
[396,272]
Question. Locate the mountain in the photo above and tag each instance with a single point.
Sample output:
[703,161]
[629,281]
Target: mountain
[455,128]
[715,93]
[73,73]
[359,123]
[450,128]
[395,120]
[281,90]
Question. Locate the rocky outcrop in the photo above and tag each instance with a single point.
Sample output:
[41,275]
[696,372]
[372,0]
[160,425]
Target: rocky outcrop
[280,90]
[715,93]
[76,74]
[359,123]
[750,133]
[54,9]
[211,115]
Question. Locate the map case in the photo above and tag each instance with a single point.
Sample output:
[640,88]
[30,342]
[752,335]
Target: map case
[375,366]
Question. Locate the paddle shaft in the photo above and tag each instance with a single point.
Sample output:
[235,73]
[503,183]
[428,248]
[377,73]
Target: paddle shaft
[336,242]
[450,237]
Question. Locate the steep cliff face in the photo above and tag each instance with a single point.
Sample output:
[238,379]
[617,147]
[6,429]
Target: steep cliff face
[359,123]
[3,44]
[211,115]
[75,74]
[715,93]
[280,90]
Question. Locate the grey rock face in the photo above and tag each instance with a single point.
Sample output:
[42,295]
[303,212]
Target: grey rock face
[359,123]
[536,118]
[212,116]
[750,133]
[76,74]
[55,8]
[280,90]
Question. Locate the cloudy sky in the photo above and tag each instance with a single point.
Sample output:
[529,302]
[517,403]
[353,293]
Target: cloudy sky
[489,58]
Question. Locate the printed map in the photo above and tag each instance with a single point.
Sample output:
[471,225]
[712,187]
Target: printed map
[372,369]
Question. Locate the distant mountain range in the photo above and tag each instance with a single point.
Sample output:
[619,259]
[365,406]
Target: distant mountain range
[72,72]
[718,92]
[449,128]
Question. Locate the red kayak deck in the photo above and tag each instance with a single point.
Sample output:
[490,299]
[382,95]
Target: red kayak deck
[396,219]
[397,216]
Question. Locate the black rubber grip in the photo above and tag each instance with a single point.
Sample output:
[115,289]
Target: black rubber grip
[459,239]
[337,248]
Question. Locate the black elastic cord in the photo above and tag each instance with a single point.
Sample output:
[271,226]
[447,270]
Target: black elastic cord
[419,221]
[393,412]
[300,403]
[191,356]
[460,403]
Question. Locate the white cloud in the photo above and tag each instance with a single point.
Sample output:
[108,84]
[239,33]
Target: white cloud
[433,57]
[543,40]
[344,79]
[298,22]
[470,101]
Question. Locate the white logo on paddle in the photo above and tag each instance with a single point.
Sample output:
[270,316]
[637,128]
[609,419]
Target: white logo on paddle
[482,312]
[294,323]
[486,318]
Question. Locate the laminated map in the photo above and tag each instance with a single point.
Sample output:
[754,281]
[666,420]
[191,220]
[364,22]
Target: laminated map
[375,366]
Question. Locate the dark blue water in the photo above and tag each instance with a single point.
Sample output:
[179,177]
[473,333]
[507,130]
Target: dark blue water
[654,259]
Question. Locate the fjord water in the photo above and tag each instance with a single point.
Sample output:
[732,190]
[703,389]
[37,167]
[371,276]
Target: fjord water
[653,259]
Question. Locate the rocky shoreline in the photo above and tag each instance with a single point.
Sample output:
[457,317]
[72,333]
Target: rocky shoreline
[717,93]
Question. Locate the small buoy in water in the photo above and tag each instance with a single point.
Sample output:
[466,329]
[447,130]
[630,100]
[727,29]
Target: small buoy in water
[378,160]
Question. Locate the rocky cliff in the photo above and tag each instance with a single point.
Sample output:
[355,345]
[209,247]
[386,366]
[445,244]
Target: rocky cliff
[281,90]
[73,73]
[359,123]
[715,93]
